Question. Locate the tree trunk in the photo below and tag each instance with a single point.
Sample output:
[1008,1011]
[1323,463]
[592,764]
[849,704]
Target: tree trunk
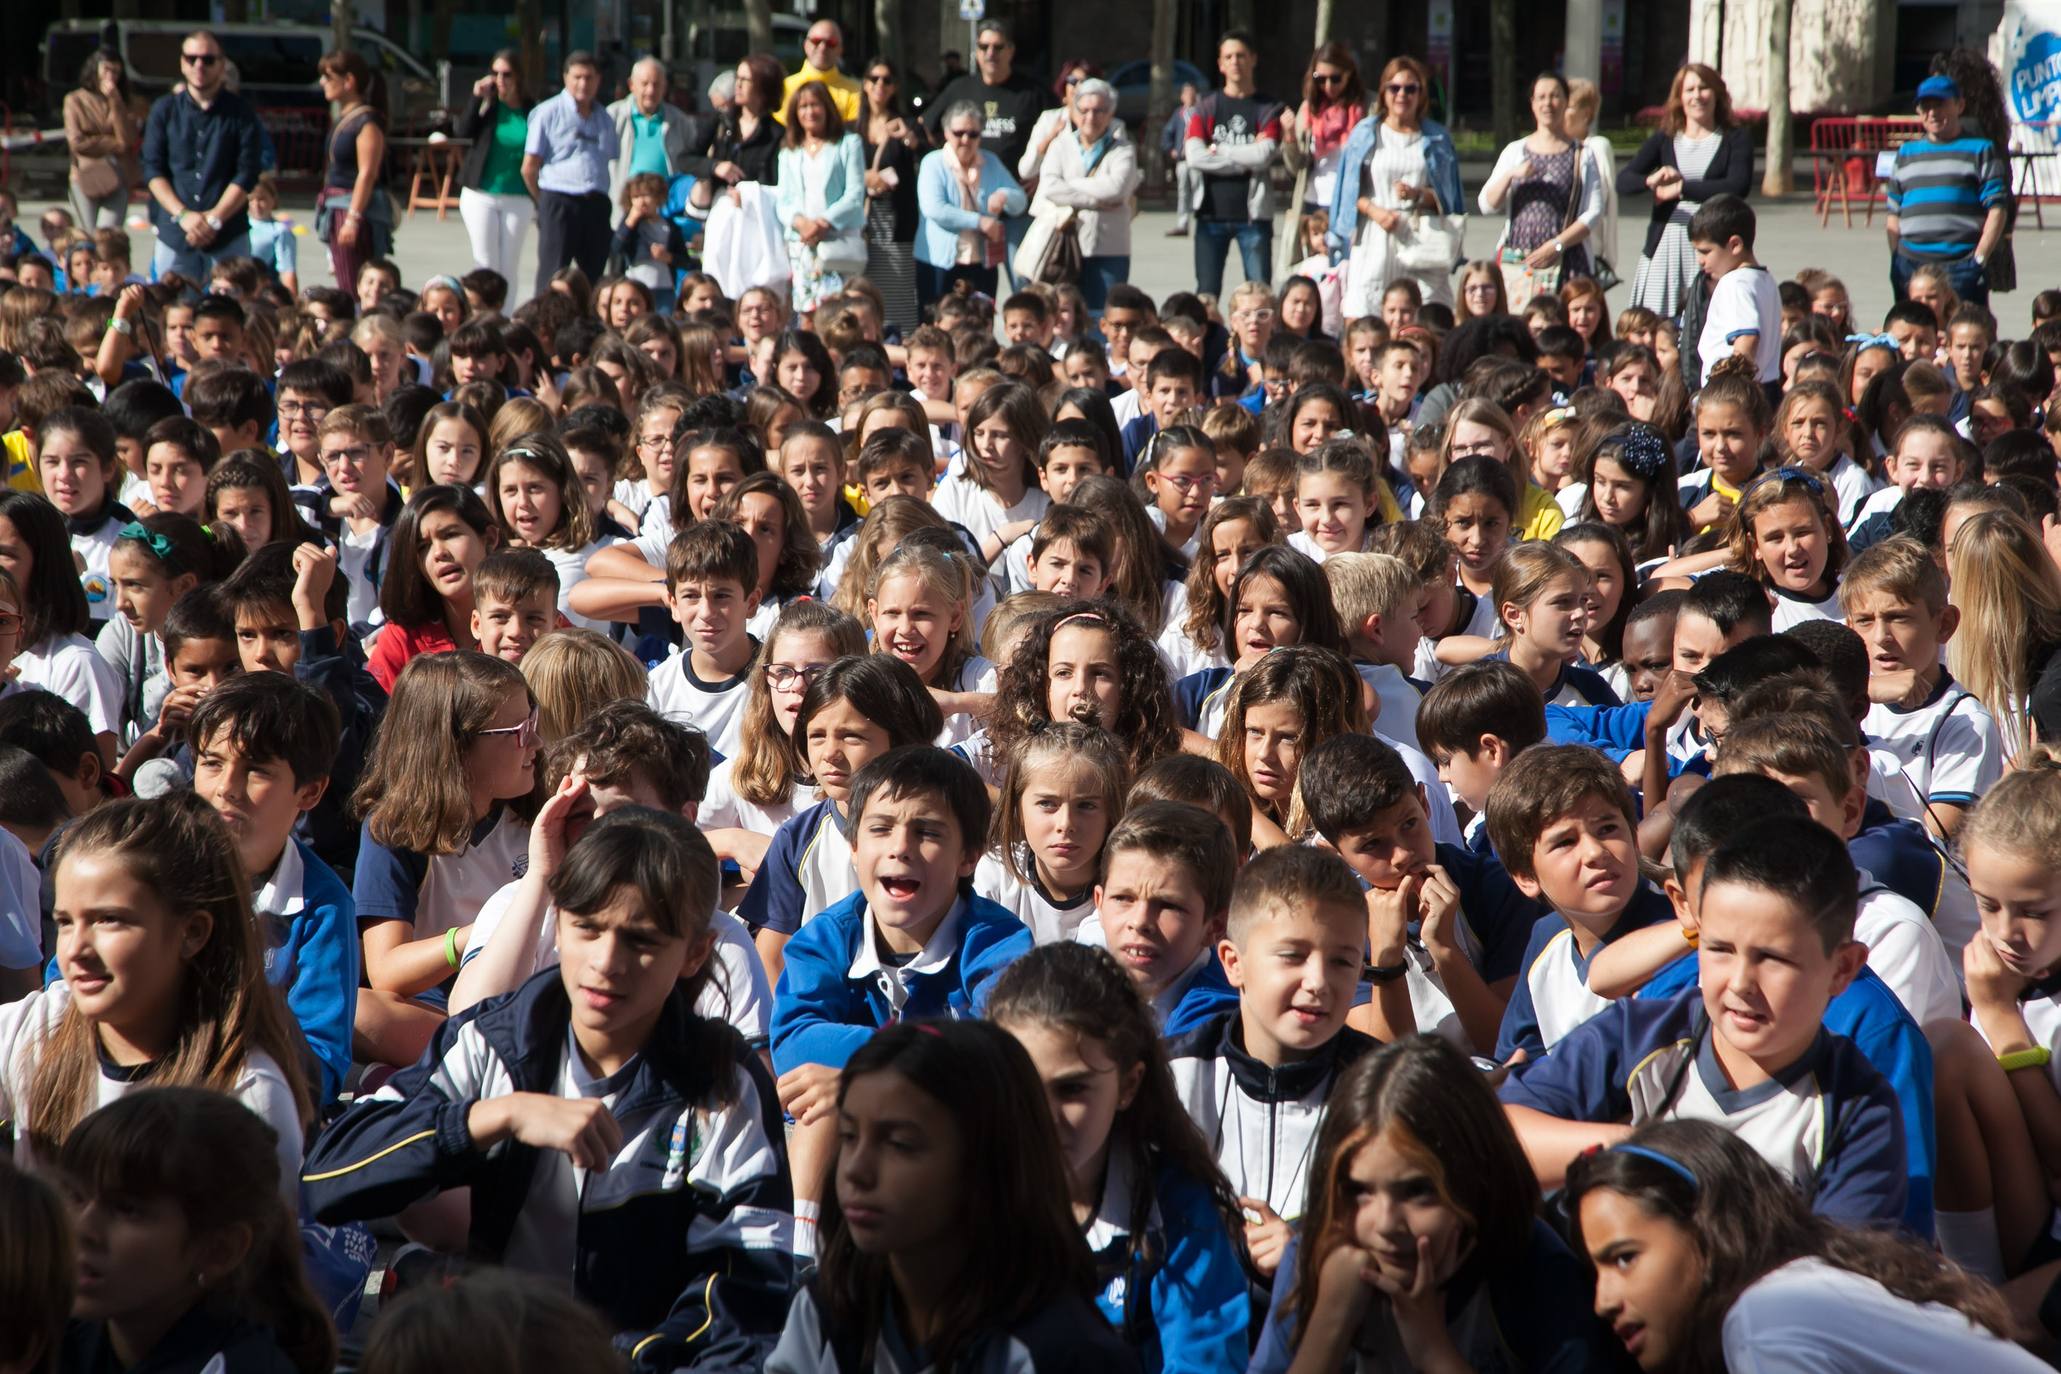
[887,32]
[343,17]
[1503,68]
[1779,179]
[758,23]
[531,14]
[1159,103]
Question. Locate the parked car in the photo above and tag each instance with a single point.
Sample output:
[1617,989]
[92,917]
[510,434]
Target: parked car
[273,64]
[1133,82]
[718,42]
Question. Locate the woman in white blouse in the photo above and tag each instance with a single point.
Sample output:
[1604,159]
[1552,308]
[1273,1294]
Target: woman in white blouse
[1550,191]
[1093,169]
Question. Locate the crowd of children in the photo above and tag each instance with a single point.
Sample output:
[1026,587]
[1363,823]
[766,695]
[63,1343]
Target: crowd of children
[1478,845]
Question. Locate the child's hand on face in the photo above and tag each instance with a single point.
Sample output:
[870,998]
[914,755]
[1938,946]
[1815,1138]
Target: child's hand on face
[356,506]
[314,570]
[808,1092]
[1389,913]
[178,707]
[1673,696]
[1890,689]
[1266,1238]
[1439,912]
[1990,983]
[548,841]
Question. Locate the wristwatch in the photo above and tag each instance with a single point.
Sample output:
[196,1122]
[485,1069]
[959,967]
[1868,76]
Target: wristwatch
[213,223]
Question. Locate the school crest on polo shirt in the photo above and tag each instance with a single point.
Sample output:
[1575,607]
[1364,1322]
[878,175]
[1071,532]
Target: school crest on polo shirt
[97,588]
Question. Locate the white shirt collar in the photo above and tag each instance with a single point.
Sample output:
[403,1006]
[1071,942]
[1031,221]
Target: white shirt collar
[281,895]
[1170,996]
[937,951]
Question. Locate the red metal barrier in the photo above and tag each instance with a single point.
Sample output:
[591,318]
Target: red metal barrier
[1843,151]
[299,141]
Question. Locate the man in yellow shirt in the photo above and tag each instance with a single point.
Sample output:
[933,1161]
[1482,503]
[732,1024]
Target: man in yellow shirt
[820,50]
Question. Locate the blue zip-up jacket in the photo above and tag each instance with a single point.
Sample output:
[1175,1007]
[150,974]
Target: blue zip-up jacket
[821,1013]
[1177,1292]
[1899,855]
[683,1244]
[1870,1015]
[1441,169]
[1206,993]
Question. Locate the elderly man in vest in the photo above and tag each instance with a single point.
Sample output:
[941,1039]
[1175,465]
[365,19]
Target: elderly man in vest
[655,136]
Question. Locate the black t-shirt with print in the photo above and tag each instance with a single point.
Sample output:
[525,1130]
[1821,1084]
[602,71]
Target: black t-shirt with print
[1227,120]
[1010,110]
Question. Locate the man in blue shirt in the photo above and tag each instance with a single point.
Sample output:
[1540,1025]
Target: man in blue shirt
[201,158]
[1947,198]
[565,161]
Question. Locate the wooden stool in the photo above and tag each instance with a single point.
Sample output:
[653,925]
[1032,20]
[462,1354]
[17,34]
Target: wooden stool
[429,187]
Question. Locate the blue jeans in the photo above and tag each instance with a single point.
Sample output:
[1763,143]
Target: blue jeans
[1098,274]
[195,263]
[1213,244]
[1967,277]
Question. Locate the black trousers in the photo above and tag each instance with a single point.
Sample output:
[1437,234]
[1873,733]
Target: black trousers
[571,230]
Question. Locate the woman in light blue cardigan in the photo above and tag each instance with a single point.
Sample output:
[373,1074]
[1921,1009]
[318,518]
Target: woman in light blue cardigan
[821,198]
[965,194]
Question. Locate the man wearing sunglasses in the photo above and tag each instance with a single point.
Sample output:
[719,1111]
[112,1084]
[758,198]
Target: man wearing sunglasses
[821,50]
[200,161]
[1011,100]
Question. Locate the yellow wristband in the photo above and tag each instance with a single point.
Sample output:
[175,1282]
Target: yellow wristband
[451,947]
[2038,1057]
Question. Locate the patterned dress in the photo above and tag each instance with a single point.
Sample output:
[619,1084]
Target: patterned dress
[1539,207]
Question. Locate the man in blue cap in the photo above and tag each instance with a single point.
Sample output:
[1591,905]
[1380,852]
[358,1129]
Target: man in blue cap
[1948,199]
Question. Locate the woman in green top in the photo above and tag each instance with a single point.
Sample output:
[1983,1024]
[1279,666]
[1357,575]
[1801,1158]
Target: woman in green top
[495,204]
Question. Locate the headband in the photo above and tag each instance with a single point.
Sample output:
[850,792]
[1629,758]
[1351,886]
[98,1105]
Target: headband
[1643,452]
[1864,342]
[158,545]
[1803,476]
[1668,1162]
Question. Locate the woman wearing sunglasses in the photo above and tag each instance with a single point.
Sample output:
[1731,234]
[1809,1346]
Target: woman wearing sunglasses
[894,141]
[493,201]
[1398,180]
[966,195]
[1334,100]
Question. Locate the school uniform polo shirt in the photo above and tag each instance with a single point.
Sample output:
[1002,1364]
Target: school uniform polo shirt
[807,869]
[1829,1121]
[1050,917]
[1947,745]
[714,707]
[1552,995]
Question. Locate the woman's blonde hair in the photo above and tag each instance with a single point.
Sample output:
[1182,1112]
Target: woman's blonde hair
[572,674]
[415,793]
[177,848]
[518,415]
[766,766]
[2009,595]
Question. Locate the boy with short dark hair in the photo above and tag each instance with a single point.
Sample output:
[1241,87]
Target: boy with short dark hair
[1649,643]
[309,388]
[712,580]
[1564,824]
[1472,725]
[60,738]
[1914,328]
[1254,1077]
[231,401]
[514,602]
[1744,315]
[1027,318]
[1072,553]
[262,749]
[288,608]
[1446,927]
[1236,433]
[477,353]
[1895,599]
[217,333]
[1749,1049]
[485,290]
[1561,355]
[199,641]
[359,504]
[1173,381]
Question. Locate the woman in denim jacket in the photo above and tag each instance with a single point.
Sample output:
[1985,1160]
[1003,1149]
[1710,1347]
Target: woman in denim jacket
[1396,165]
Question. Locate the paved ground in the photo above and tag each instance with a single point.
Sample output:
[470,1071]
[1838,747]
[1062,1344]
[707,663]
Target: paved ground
[1790,238]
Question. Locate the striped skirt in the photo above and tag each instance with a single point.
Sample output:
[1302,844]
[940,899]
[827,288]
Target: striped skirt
[891,267]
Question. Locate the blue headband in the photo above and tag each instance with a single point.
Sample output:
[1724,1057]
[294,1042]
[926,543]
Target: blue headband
[1643,452]
[1669,1162]
[1864,342]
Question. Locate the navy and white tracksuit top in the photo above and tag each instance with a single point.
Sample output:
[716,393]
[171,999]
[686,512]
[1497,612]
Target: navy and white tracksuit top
[684,1244]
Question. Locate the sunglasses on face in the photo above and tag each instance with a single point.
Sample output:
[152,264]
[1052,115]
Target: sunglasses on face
[879,79]
[201,59]
[992,47]
[525,734]
[821,42]
[1328,78]
[962,133]
[1399,88]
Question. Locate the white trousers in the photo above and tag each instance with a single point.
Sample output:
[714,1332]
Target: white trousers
[497,226]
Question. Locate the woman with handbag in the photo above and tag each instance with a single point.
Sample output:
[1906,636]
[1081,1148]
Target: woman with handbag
[893,144]
[1397,209]
[1698,152]
[494,201]
[1552,196]
[821,198]
[102,136]
[1089,175]
[353,215]
[965,195]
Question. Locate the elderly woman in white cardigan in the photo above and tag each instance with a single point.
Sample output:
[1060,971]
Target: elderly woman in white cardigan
[965,196]
[1092,168]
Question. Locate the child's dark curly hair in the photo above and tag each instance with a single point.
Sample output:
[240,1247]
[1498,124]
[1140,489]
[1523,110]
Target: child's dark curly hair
[1145,722]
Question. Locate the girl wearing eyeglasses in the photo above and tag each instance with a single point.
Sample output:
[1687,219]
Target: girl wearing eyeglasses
[447,799]
[1396,169]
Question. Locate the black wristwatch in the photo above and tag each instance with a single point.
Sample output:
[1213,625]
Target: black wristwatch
[1383,973]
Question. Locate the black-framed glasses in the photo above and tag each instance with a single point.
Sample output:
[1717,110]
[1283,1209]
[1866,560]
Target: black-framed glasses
[880,78]
[357,456]
[201,59]
[302,410]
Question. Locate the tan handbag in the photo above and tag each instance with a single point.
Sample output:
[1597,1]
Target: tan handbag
[97,177]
